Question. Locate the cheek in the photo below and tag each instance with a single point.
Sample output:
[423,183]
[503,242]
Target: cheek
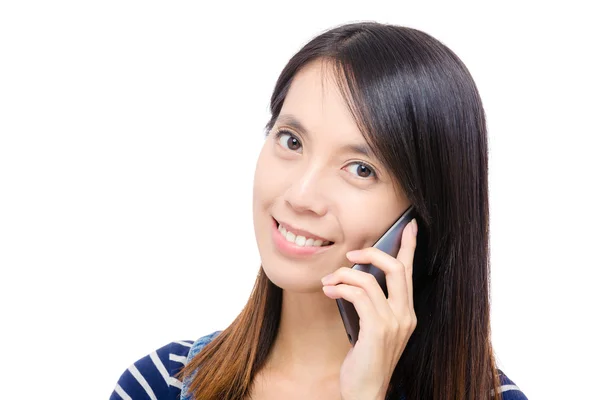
[361,235]
[365,219]
[267,179]
[356,238]
[260,173]
[360,226]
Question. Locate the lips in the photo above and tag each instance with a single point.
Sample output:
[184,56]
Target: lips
[294,250]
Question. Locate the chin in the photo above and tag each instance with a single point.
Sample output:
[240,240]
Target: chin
[293,277]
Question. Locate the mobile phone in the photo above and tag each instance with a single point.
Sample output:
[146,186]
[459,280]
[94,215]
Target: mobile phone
[389,243]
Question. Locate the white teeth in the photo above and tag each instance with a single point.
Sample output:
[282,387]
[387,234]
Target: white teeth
[300,240]
[290,237]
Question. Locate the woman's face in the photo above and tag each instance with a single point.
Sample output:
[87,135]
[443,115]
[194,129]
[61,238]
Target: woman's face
[321,183]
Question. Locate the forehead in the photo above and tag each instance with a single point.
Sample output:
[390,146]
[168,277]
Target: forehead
[314,99]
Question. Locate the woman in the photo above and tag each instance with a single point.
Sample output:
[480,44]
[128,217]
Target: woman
[367,119]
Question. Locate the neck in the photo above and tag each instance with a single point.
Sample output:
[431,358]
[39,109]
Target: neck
[311,340]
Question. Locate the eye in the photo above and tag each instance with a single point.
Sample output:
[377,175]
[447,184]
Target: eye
[362,170]
[288,141]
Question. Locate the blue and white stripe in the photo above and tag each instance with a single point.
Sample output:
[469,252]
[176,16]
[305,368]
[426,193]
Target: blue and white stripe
[153,376]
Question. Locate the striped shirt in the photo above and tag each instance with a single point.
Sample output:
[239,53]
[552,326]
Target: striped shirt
[152,377]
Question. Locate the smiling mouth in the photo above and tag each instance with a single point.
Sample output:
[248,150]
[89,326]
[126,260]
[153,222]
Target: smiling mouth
[299,240]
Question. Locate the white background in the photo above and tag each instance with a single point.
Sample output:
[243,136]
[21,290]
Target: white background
[129,134]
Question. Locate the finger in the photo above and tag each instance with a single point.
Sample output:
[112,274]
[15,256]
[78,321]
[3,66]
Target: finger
[395,276]
[359,298]
[406,256]
[365,281]
[408,243]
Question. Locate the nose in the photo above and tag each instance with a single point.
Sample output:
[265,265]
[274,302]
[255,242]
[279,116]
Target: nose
[305,193]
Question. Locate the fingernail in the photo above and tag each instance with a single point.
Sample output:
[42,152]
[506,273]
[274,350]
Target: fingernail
[352,254]
[415,228]
[326,278]
[328,289]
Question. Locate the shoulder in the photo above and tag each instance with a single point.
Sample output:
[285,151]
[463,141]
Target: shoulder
[152,376]
[195,349]
[509,390]
[200,343]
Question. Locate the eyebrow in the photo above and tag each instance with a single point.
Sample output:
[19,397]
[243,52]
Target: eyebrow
[292,121]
